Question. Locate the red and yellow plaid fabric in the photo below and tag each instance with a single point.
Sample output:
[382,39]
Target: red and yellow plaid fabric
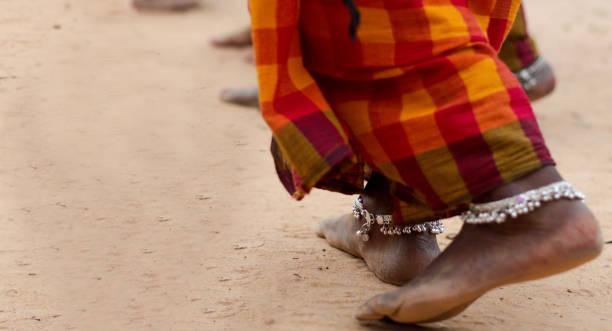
[421,97]
[519,50]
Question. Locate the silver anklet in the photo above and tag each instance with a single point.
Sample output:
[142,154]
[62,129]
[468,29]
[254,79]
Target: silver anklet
[386,223]
[499,211]
[527,75]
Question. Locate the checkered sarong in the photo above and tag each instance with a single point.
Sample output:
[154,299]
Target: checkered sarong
[420,97]
[519,50]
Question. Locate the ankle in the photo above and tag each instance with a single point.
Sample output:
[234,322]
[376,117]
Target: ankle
[541,177]
[377,196]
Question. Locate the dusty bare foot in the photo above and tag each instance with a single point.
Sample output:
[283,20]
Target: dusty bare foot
[241,96]
[165,4]
[557,237]
[393,259]
[240,38]
[538,79]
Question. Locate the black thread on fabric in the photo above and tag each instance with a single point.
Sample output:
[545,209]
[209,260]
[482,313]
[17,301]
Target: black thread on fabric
[355,18]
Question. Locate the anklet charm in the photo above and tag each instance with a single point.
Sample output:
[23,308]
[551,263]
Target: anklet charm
[386,223]
[499,211]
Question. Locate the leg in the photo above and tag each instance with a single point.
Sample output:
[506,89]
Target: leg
[241,96]
[240,38]
[557,237]
[537,79]
[520,53]
[165,4]
[393,259]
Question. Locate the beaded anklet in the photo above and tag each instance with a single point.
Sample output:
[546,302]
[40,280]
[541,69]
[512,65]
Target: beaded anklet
[521,204]
[386,223]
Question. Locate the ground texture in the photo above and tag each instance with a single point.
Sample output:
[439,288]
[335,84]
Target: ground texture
[132,199]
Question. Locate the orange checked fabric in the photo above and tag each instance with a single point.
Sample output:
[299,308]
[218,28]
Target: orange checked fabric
[420,97]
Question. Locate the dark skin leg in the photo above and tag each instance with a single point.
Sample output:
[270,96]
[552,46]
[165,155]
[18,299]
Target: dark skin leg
[238,39]
[542,79]
[248,97]
[393,259]
[164,4]
[559,236]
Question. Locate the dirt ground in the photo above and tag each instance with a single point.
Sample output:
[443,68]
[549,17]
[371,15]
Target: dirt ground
[132,199]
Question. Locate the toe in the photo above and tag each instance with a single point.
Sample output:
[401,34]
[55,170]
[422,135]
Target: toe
[225,95]
[339,233]
[366,313]
[324,227]
[379,307]
[319,231]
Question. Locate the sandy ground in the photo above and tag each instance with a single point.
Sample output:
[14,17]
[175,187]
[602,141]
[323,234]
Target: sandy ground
[132,199]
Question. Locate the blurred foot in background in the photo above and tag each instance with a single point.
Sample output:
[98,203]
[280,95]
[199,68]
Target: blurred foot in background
[537,79]
[240,96]
[238,39]
[165,4]
[521,54]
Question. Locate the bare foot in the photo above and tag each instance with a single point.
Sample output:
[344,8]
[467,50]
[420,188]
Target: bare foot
[393,259]
[538,79]
[240,38]
[165,4]
[241,96]
[557,237]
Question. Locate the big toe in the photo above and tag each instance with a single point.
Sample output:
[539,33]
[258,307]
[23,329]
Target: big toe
[379,307]
[319,231]
[324,227]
